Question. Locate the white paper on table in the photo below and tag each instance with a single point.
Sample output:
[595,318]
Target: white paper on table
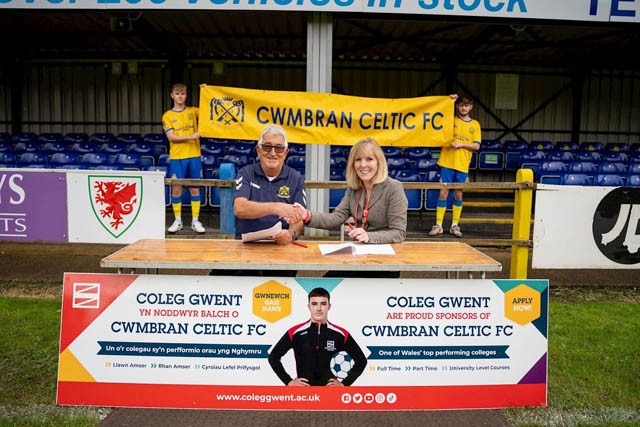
[353,249]
[262,234]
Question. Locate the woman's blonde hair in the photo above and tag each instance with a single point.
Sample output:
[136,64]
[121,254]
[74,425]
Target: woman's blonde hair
[358,150]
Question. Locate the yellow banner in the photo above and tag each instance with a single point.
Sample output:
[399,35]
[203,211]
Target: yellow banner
[323,118]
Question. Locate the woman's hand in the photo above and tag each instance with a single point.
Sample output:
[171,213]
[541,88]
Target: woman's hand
[360,235]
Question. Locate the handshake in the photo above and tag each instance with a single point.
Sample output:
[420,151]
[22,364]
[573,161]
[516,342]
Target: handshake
[294,213]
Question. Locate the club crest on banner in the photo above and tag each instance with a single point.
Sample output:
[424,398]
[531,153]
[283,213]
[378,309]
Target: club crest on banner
[226,112]
[115,201]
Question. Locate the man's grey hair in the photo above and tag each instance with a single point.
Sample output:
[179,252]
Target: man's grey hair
[273,129]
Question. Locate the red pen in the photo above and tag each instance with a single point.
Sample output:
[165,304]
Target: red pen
[300,244]
[350,226]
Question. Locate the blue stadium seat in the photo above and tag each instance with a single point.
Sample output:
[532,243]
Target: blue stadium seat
[214,192]
[296,162]
[491,155]
[297,149]
[34,160]
[26,147]
[155,138]
[390,152]
[5,137]
[613,168]
[635,157]
[146,150]
[112,148]
[50,148]
[336,195]
[592,146]
[634,169]
[551,172]
[103,138]
[586,168]
[210,148]
[576,179]
[338,151]
[588,156]
[6,147]
[74,138]
[609,180]
[93,160]
[614,147]
[302,171]
[128,161]
[24,137]
[8,159]
[611,156]
[84,147]
[473,163]
[531,159]
[417,153]
[633,180]
[414,196]
[541,146]
[435,152]
[51,137]
[109,168]
[338,162]
[64,161]
[129,138]
[240,149]
[239,161]
[561,156]
[209,161]
[491,145]
[431,196]
[426,165]
[567,146]
[398,163]
[635,147]
[163,160]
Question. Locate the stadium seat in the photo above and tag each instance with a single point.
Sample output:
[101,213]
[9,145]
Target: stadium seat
[431,196]
[336,195]
[146,150]
[296,162]
[26,147]
[435,152]
[34,160]
[576,179]
[74,138]
[390,152]
[633,180]
[635,157]
[112,148]
[6,147]
[24,137]
[634,169]
[551,172]
[51,137]
[50,148]
[239,161]
[5,137]
[609,180]
[588,156]
[491,156]
[567,146]
[297,149]
[417,153]
[473,163]
[64,161]
[545,146]
[129,138]
[425,165]
[240,149]
[338,151]
[209,161]
[414,196]
[109,168]
[586,168]
[635,147]
[491,145]
[155,138]
[531,159]
[8,159]
[338,162]
[614,147]
[103,138]
[612,168]
[398,163]
[561,156]
[84,147]
[210,148]
[163,160]
[214,192]
[592,146]
[92,160]
[512,151]
[617,156]
[128,161]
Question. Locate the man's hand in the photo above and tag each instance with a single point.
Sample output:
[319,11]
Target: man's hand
[457,144]
[333,382]
[453,96]
[360,235]
[284,237]
[290,213]
[195,136]
[303,210]
[299,382]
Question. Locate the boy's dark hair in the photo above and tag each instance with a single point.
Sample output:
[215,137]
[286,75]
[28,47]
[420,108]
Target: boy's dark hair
[319,292]
[464,99]
[178,86]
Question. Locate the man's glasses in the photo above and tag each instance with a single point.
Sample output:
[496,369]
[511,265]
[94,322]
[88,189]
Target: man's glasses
[267,148]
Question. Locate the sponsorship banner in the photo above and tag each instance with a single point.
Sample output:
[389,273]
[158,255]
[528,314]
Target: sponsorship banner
[115,206]
[573,10]
[228,342]
[586,227]
[323,118]
[33,205]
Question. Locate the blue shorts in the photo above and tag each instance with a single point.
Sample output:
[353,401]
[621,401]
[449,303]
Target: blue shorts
[186,168]
[452,175]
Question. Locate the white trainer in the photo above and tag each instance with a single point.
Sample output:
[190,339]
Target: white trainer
[197,227]
[176,226]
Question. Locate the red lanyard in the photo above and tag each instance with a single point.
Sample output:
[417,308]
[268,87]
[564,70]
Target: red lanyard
[365,212]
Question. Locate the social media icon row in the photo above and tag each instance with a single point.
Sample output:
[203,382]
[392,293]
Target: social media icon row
[369,398]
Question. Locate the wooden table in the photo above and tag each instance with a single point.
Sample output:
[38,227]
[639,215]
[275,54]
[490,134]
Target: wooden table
[233,254]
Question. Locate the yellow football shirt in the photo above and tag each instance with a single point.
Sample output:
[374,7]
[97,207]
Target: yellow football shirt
[459,158]
[182,123]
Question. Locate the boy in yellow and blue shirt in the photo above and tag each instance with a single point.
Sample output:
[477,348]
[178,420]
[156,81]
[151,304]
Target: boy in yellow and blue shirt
[454,163]
[180,124]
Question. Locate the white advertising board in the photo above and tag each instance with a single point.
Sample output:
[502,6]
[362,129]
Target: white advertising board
[115,206]
[586,227]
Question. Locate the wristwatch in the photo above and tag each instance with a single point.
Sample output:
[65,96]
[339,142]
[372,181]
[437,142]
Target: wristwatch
[293,235]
